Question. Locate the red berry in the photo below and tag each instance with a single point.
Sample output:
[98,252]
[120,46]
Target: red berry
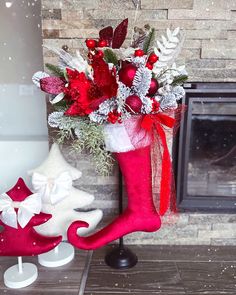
[91,43]
[139,52]
[102,43]
[114,117]
[152,58]
[155,106]
[149,66]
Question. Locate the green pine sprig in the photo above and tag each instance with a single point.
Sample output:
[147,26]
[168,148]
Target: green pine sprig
[149,41]
[57,71]
[110,56]
[91,138]
[179,80]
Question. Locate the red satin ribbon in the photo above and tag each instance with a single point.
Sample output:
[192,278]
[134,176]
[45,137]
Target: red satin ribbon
[153,123]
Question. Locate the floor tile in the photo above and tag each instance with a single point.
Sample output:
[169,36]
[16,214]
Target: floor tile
[145,278]
[208,277]
[64,280]
[177,253]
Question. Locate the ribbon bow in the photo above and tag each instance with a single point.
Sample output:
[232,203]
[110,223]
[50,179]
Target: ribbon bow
[150,120]
[53,190]
[26,210]
[153,123]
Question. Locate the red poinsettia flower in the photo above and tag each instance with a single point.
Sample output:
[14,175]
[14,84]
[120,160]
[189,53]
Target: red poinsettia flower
[77,92]
[87,95]
[104,81]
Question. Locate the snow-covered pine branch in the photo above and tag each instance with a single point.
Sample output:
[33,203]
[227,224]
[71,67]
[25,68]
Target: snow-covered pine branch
[67,60]
[168,74]
[142,80]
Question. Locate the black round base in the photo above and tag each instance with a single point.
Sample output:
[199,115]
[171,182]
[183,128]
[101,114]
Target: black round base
[121,258]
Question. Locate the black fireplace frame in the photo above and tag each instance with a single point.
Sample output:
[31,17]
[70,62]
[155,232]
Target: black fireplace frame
[215,92]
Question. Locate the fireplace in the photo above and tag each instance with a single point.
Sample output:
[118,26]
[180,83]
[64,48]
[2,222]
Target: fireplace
[206,161]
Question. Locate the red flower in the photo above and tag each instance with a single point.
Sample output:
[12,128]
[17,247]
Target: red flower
[87,95]
[78,92]
[104,78]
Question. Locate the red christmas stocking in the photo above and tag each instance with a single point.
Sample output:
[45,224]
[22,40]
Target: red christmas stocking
[140,214]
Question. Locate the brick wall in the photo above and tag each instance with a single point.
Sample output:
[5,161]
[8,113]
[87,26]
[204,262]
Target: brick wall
[209,53]
[210,28]
[191,229]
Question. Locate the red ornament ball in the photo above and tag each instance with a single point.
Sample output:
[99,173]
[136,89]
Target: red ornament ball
[139,52]
[152,58]
[149,66]
[127,73]
[134,103]
[91,43]
[153,87]
[102,43]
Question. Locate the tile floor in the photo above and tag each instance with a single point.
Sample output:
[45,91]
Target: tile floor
[168,270]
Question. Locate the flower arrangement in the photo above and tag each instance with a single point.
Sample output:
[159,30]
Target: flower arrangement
[109,84]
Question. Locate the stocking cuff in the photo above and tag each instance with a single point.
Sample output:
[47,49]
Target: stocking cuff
[126,136]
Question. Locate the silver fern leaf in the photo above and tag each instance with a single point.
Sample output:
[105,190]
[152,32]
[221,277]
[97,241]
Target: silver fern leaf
[167,49]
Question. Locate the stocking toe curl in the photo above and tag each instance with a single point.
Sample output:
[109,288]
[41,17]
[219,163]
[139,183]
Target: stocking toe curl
[140,214]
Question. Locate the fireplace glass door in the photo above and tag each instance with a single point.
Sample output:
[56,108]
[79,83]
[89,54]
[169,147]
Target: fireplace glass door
[207,162]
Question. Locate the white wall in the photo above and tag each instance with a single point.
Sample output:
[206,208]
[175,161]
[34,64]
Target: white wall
[23,122]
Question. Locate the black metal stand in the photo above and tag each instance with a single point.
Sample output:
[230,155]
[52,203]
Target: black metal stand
[121,257]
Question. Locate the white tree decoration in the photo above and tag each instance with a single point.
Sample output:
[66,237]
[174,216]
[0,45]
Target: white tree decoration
[53,181]
[48,177]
